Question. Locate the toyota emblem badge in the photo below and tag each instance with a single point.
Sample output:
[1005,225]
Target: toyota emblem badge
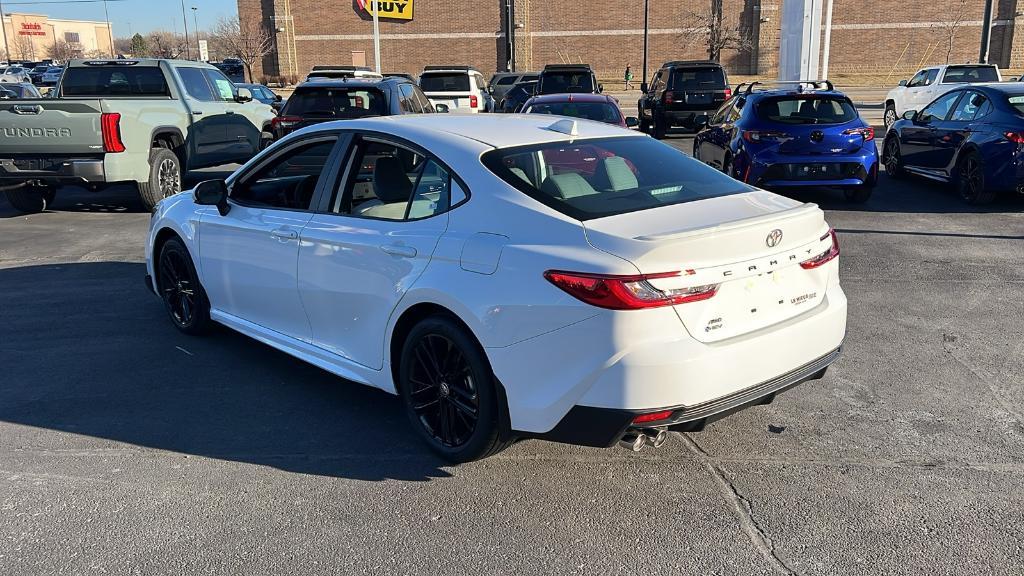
[774,238]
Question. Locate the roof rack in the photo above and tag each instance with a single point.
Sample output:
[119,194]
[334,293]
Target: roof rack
[690,62]
[555,67]
[439,67]
[748,87]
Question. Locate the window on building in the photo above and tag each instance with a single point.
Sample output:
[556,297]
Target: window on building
[72,38]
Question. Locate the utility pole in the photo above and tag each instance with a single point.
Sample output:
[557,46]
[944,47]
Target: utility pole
[643,79]
[184,20]
[195,20]
[7,50]
[827,41]
[986,32]
[110,34]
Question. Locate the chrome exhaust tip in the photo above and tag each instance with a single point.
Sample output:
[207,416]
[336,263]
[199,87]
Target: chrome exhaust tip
[633,441]
[656,436]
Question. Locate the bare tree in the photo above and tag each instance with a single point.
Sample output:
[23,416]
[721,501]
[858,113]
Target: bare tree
[249,41]
[62,51]
[22,48]
[957,15]
[717,31]
[163,44]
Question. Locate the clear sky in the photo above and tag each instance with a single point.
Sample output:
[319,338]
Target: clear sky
[131,15]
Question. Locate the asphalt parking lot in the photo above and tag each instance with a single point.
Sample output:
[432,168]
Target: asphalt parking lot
[126,447]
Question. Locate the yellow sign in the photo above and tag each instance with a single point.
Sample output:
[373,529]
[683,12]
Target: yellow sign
[394,9]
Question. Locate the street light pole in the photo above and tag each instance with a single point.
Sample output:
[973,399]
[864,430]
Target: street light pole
[986,33]
[110,34]
[644,76]
[195,20]
[7,50]
[184,20]
[376,34]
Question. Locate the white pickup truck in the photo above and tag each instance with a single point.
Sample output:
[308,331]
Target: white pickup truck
[930,83]
[140,122]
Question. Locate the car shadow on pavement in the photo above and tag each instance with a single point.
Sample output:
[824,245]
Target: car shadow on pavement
[88,350]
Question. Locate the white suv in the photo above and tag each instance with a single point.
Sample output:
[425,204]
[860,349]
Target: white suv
[457,88]
[930,83]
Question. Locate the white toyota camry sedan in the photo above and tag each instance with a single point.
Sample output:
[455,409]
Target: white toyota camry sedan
[510,276]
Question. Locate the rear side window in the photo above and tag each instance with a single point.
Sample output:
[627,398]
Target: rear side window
[344,103]
[1017,102]
[114,81]
[806,110]
[964,74]
[454,82]
[594,178]
[711,78]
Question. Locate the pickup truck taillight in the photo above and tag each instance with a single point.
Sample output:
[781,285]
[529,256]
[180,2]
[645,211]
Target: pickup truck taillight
[110,128]
[473,101]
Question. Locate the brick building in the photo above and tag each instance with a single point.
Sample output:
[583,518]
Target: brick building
[868,36]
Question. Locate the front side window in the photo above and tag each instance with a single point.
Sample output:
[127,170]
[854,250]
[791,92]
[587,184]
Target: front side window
[409,103]
[719,116]
[196,85]
[938,109]
[288,181]
[594,178]
[598,111]
[445,82]
[918,79]
[390,182]
[223,89]
[340,103]
[806,110]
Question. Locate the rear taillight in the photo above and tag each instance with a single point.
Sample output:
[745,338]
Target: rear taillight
[473,101]
[626,292]
[668,97]
[758,136]
[728,93]
[825,256]
[110,129]
[285,121]
[653,417]
[1015,137]
[867,132]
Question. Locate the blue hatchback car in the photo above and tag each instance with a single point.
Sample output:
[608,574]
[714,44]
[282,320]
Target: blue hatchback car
[801,135]
[971,137]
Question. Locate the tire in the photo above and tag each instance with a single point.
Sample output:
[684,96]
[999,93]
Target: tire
[892,158]
[178,286]
[660,129]
[858,194]
[727,167]
[970,180]
[266,139]
[31,199]
[696,151]
[449,392]
[889,116]
[164,177]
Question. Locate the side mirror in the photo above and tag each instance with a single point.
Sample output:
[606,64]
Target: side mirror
[244,95]
[632,122]
[909,114]
[212,193]
[700,121]
[277,98]
[644,87]
[443,108]
[903,82]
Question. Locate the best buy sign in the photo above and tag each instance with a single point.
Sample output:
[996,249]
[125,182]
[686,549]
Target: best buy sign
[396,9]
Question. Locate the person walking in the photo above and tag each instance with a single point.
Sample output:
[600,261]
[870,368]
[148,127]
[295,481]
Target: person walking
[629,77]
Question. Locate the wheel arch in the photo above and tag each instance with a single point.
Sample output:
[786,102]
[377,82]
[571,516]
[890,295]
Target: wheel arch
[172,138]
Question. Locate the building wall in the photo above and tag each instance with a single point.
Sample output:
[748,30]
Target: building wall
[31,36]
[868,36]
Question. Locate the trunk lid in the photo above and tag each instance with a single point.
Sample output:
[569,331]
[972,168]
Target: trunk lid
[730,241]
[47,126]
[816,140]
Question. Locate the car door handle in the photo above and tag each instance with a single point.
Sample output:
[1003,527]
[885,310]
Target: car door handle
[284,233]
[197,112]
[230,112]
[399,250]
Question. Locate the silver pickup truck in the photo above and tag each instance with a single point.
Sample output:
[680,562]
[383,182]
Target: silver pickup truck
[142,122]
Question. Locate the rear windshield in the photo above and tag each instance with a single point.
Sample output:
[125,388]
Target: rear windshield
[594,178]
[966,74]
[114,81]
[558,82]
[599,111]
[342,103]
[20,90]
[806,110]
[711,78]
[452,82]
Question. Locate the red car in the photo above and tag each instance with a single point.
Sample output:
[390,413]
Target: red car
[596,107]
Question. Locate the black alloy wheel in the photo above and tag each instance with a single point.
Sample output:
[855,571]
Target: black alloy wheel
[892,158]
[179,288]
[970,181]
[449,391]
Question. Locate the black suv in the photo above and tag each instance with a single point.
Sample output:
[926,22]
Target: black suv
[679,92]
[562,78]
[326,100]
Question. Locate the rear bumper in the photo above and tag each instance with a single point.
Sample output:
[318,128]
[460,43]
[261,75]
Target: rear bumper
[773,170]
[70,171]
[602,427]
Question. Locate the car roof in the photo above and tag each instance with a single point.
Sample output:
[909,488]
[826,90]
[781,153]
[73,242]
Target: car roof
[573,97]
[493,130]
[694,63]
[1008,88]
[350,82]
